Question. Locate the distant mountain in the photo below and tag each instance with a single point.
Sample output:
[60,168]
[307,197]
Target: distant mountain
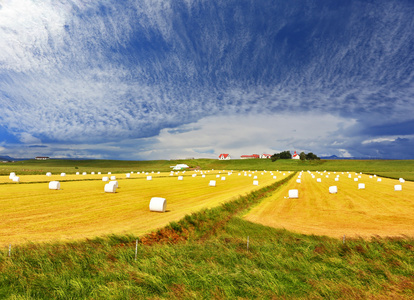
[6,158]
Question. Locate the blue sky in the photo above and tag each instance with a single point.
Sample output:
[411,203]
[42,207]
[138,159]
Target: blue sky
[152,79]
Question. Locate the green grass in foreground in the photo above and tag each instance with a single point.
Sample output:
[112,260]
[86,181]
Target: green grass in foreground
[205,255]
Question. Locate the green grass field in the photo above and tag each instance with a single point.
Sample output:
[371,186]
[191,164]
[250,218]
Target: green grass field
[386,168]
[213,253]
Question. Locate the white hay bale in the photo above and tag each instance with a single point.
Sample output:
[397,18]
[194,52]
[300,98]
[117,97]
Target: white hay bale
[212,183]
[93,173]
[149,177]
[113,177]
[180,177]
[355,179]
[109,173]
[318,179]
[298,180]
[158,204]
[398,187]
[62,174]
[223,178]
[333,189]
[12,174]
[203,176]
[255,182]
[379,179]
[16,179]
[48,174]
[401,180]
[217,176]
[105,178]
[114,182]
[274,177]
[77,173]
[54,185]
[110,188]
[337,179]
[194,175]
[293,193]
[254,177]
[361,186]
[84,173]
[128,175]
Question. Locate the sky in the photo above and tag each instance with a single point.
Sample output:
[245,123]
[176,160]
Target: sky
[171,79]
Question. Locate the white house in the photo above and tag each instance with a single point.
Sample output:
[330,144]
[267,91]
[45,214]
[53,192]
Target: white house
[295,156]
[266,156]
[224,156]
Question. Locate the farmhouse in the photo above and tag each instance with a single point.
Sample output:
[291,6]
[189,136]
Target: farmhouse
[224,156]
[295,156]
[42,157]
[250,156]
[266,156]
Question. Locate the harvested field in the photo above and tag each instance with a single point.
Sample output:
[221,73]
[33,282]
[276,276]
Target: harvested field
[377,210]
[81,209]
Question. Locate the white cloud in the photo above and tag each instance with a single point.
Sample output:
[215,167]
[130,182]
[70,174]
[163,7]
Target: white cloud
[250,134]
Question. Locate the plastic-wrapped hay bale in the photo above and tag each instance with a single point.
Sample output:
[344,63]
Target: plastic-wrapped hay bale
[180,177]
[361,186]
[128,175]
[84,173]
[337,179]
[223,178]
[54,185]
[194,175]
[16,179]
[298,181]
[99,173]
[115,183]
[203,176]
[48,174]
[212,183]
[110,188]
[109,173]
[12,174]
[105,178]
[379,179]
[158,204]
[149,177]
[113,177]
[398,187]
[401,180]
[333,189]
[93,173]
[255,177]
[77,173]
[62,174]
[217,176]
[355,179]
[255,182]
[293,194]
[319,180]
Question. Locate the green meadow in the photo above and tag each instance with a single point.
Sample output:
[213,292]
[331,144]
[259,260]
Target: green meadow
[385,168]
[213,253]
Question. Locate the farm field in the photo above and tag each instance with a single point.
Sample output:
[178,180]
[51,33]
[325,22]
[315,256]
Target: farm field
[81,209]
[386,168]
[377,210]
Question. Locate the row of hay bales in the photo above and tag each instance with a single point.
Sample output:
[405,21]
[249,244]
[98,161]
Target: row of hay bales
[294,193]
[157,204]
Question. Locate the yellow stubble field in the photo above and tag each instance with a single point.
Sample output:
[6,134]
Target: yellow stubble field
[377,210]
[29,211]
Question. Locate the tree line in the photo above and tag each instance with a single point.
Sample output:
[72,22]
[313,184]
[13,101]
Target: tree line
[287,155]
